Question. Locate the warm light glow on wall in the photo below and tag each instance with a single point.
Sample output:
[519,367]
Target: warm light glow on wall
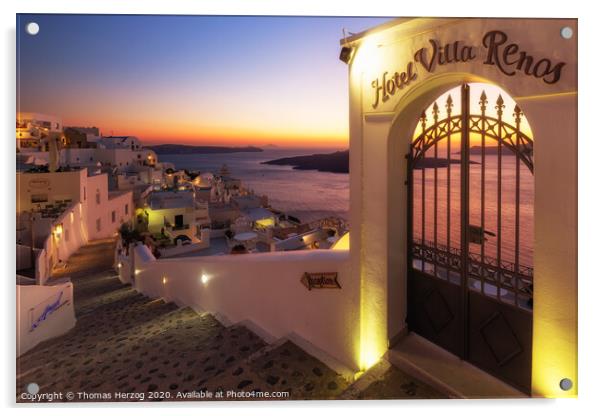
[204,279]
[164,280]
[58,230]
[370,348]
[551,365]
[373,324]
[367,56]
[342,243]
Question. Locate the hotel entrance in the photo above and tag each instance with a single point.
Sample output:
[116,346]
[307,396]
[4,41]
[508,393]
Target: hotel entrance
[470,222]
[461,130]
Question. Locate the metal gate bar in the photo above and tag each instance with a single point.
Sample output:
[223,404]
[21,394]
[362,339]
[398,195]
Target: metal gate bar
[464,210]
[483,103]
[500,111]
[517,114]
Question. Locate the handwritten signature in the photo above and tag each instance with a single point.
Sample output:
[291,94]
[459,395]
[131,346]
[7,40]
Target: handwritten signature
[48,310]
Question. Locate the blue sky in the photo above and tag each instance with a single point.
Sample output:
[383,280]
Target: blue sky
[209,79]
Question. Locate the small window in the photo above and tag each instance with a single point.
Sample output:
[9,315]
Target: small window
[98,196]
[113,216]
[98,225]
[127,209]
[84,193]
[37,198]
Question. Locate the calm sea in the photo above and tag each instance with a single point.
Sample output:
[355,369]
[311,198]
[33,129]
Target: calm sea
[307,194]
[508,207]
[311,195]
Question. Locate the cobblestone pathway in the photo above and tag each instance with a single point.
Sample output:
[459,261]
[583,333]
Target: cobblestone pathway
[125,342]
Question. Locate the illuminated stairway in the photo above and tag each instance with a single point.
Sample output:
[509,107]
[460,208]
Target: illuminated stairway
[125,342]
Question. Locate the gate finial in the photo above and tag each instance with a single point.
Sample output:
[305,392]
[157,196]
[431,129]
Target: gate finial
[423,120]
[517,114]
[448,105]
[435,112]
[483,102]
[500,105]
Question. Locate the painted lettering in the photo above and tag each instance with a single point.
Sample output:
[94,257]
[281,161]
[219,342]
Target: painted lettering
[384,87]
[501,54]
[506,56]
[449,53]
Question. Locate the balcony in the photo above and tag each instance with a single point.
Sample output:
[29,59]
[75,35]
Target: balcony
[182,227]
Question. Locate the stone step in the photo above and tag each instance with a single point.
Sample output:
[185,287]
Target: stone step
[383,381]
[173,360]
[446,372]
[124,341]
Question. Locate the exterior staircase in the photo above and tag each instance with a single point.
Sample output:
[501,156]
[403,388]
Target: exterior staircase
[125,342]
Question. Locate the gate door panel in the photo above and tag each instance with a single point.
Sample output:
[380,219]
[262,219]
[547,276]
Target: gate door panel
[470,248]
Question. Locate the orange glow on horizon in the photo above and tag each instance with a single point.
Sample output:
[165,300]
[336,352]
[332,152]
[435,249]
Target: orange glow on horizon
[178,132]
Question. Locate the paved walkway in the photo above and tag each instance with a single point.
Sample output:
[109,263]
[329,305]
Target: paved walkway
[125,342]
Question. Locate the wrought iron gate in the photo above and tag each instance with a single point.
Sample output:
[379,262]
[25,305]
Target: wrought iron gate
[470,289]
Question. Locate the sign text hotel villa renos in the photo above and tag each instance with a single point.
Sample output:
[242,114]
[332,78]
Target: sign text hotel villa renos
[500,52]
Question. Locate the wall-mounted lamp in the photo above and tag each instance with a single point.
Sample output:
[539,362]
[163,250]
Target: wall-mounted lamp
[346,51]
[346,54]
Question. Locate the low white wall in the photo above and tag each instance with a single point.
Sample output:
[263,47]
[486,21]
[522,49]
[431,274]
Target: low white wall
[264,289]
[74,233]
[56,249]
[43,312]
[23,257]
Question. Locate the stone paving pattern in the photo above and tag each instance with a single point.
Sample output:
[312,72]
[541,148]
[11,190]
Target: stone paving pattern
[395,384]
[126,342]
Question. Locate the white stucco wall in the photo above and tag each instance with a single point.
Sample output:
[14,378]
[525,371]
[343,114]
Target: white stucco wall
[57,248]
[102,210]
[379,139]
[43,312]
[78,220]
[265,290]
[56,186]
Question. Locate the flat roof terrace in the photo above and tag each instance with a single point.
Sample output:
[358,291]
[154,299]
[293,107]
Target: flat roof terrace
[171,199]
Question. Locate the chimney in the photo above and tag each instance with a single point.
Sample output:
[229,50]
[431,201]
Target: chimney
[53,152]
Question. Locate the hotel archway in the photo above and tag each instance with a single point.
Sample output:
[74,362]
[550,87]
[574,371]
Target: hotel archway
[396,72]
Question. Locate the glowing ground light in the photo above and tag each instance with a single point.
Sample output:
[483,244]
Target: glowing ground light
[204,279]
[58,230]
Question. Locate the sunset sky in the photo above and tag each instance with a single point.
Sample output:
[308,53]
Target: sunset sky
[191,79]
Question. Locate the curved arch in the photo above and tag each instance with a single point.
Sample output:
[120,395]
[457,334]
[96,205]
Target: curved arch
[444,128]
